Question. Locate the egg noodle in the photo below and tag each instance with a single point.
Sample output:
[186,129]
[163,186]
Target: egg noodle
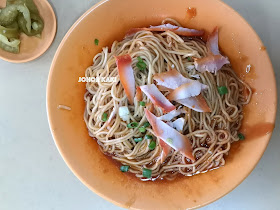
[211,134]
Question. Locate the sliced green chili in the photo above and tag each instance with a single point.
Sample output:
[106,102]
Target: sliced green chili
[29,3]
[9,46]
[9,32]
[36,23]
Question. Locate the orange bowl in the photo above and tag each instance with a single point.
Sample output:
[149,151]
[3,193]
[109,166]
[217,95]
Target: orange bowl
[108,21]
[32,47]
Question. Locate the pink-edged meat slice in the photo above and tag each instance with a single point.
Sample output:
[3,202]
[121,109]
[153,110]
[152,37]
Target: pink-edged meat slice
[157,97]
[112,116]
[210,63]
[177,124]
[170,136]
[214,61]
[139,95]
[186,90]
[165,150]
[212,43]
[167,27]
[126,75]
[197,103]
[171,79]
[169,116]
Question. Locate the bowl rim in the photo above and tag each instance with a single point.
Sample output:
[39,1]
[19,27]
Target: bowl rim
[25,60]
[101,194]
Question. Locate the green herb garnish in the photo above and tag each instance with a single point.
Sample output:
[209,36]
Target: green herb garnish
[222,90]
[142,103]
[189,58]
[96,42]
[241,136]
[142,129]
[141,64]
[104,117]
[138,139]
[132,125]
[152,145]
[148,137]
[169,140]
[124,168]
[146,124]
[147,173]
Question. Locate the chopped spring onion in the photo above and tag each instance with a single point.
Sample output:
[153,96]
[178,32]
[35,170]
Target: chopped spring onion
[104,117]
[189,58]
[241,136]
[141,64]
[147,173]
[124,168]
[146,124]
[96,42]
[138,139]
[222,90]
[132,125]
[142,103]
[148,137]
[169,140]
[142,129]
[152,145]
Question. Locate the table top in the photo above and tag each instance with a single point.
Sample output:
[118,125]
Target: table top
[32,172]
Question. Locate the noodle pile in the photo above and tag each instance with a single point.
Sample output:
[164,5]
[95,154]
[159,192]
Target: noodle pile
[211,134]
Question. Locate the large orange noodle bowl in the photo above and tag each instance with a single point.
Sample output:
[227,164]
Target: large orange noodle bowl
[108,21]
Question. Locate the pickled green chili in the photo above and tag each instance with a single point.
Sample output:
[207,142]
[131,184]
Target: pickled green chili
[18,16]
[37,25]
[9,46]
[10,13]
[29,3]
[9,32]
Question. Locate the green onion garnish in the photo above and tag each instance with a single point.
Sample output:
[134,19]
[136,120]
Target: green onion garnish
[152,145]
[124,168]
[142,103]
[132,125]
[147,173]
[146,124]
[96,41]
[138,139]
[169,140]
[241,136]
[189,58]
[104,117]
[141,64]
[142,129]
[148,137]
[222,90]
